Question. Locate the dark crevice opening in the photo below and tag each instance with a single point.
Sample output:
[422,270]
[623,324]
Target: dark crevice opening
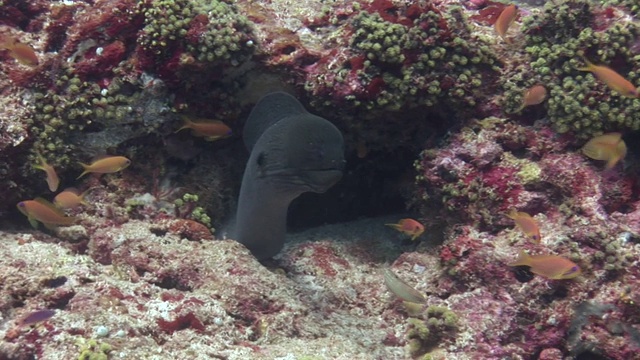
[370,187]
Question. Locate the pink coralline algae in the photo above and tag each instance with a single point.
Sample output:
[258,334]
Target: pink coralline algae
[140,274]
[577,205]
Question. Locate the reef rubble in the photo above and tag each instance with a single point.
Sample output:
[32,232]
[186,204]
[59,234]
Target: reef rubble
[432,106]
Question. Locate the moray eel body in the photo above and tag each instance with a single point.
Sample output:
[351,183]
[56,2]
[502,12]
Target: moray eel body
[292,152]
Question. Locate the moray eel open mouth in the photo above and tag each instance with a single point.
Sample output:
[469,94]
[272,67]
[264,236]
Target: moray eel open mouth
[292,152]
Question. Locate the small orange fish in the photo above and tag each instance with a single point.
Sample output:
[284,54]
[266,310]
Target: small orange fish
[527,224]
[106,165]
[21,52]
[210,130]
[613,80]
[609,147]
[505,19]
[70,198]
[534,96]
[45,212]
[409,227]
[549,266]
[52,177]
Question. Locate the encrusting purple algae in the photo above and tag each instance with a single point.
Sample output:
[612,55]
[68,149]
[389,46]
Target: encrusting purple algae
[495,138]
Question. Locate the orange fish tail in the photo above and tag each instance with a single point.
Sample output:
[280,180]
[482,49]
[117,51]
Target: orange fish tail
[395,226]
[589,66]
[85,172]
[613,160]
[6,44]
[522,259]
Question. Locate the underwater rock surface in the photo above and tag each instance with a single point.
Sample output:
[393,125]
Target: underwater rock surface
[431,104]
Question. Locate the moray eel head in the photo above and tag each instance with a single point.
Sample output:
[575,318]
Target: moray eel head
[292,152]
[304,153]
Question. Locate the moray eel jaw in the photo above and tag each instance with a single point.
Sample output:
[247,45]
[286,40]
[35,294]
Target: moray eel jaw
[292,152]
[291,182]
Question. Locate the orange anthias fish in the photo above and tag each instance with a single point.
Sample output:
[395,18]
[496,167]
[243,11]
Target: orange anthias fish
[534,96]
[21,52]
[52,177]
[70,198]
[409,227]
[527,224]
[106,165]
[210,130]
[45,212]
[613,80]
[505,19]
[609,147]
[549,266]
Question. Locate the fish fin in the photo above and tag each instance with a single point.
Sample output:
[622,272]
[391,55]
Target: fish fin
[86,170]
[395,226]
[182,128]
[513,214]
[589,66]
[73,190]
[84,193]
[33,222]
[50,205]
[521,260]
[7,43]
[186,123]
[611,162]
[214,138]
[41,160]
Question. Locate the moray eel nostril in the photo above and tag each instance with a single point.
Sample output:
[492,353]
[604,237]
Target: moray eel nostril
[292,152]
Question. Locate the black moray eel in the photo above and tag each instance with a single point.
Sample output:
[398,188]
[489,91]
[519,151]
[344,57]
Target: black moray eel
[292,152]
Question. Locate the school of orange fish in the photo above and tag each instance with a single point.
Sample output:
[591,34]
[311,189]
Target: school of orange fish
[40,210]
[607,147]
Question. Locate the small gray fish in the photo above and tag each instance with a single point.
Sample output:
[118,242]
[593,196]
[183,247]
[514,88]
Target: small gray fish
[401,289]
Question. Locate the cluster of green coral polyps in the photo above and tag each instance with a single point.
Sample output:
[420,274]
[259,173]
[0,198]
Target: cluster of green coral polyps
[186,207]
[209,31]
[400,57]
[165,21]
[380,40]
[426,332]
[557,40]
[74,106]
[616,257]
[225,36]
[93,350]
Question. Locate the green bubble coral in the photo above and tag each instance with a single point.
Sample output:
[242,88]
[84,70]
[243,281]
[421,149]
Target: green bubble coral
[437,324]
[93,350]
[558,40]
